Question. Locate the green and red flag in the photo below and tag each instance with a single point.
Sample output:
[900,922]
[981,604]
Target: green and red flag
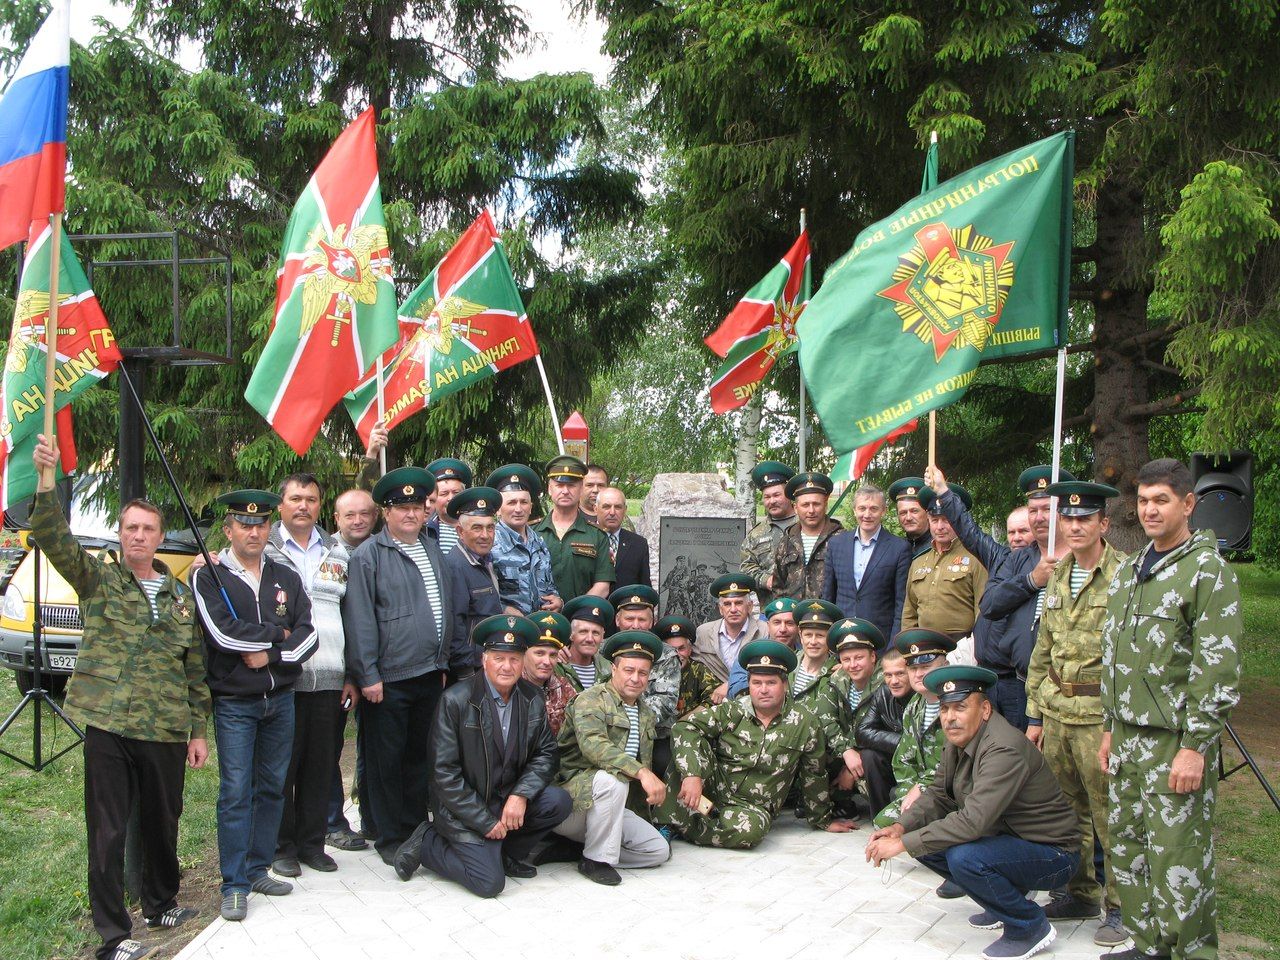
[18,475]
[465,322]
[971,271]
[761,328]
[335,299]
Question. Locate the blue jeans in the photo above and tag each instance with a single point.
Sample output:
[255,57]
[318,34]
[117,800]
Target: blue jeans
[999,872]
[255,739]
[1009,698]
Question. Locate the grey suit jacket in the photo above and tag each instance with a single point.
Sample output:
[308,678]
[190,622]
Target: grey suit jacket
[706,646]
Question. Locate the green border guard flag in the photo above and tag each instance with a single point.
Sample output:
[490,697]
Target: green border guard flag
[973,270]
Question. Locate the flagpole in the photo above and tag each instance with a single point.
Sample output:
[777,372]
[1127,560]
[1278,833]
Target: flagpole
[551,403]
[1059,393]
[382,417]
[51,341]
[928,182]
[803,224]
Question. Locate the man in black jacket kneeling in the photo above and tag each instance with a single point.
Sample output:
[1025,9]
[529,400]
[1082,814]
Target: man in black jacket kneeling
[493,757]
[880,728]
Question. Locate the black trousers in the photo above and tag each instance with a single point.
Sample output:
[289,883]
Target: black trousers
[478,866]
[877,773]
[118,771]
[317,727]
[661,756]
[395,734]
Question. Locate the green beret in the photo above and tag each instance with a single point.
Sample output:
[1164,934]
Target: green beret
[447,468]
[567,468]
[953,684]
[732,585]
[250,507]
[919,645]
[634,595]
[778,605]
[770,473]
[1079,499]
[1034,481]
[474,502]
[504,633]
[591,609]
[767,656]
[809,483]
[632,643]
[907,488]
[854,632]
[404,485]
[553,629]
[676,626]
[929,500]
[816,613]
[515,476]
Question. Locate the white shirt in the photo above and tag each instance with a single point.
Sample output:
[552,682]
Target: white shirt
[306,559]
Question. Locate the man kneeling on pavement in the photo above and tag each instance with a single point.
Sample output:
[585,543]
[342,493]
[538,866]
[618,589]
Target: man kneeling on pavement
[994,820]
[492,757]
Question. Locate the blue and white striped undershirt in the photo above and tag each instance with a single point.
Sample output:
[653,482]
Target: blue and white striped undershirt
[418,554]
[1078,578]
[586,673]
[801,681]
[930,713]
[809,543]
[448,537]
[855,698]
[151,586]
[633,730]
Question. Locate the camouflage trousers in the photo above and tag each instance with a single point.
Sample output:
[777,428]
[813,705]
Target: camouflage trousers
[1161,846]
[735,825]
[1071,750]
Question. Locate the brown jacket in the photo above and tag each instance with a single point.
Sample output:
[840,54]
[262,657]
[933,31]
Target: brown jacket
[999,784]
[795,577]
[706,644]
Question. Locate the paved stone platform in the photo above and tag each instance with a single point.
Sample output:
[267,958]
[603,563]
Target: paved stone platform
[801,894]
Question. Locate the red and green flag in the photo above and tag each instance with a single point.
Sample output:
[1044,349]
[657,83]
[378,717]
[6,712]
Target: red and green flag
[760,329]
[335,299]
[18,474]
[465,322]
[974,270]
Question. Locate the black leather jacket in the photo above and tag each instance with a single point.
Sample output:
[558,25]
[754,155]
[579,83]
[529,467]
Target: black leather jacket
[880,727]
[462,746]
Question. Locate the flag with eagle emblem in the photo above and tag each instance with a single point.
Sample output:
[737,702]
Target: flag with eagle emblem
[464,323]
[335,299]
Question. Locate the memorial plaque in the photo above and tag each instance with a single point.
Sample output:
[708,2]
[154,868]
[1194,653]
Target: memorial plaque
[692,552]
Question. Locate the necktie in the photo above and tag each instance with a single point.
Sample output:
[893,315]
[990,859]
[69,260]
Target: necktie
[613,547]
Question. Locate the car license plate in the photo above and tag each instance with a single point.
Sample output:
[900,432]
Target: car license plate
[62,661]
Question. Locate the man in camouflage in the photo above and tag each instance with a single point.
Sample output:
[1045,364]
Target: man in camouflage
[841,704]
[1170,676]
[800,562]
[697,683]
[770,478]
[1064,707]
[742,756]
[635,605]
[139,692]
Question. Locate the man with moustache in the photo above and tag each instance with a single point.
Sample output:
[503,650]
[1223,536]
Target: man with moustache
[719,641]
[634,605]
[520,557]
[905,494]
[944,585]
[770,478]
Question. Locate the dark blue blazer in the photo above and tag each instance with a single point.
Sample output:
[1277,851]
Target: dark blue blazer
[884,582]
[632,563]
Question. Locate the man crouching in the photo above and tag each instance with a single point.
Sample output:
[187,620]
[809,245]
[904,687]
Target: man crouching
[492,757]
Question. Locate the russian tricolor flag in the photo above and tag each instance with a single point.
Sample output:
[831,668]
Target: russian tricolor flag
[33,130]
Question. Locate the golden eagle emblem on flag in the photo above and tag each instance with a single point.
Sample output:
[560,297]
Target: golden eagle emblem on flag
[342,269]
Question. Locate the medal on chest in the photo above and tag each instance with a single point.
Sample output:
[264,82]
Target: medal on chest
[282,600]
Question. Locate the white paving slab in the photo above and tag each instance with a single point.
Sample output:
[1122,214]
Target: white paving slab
[801,895]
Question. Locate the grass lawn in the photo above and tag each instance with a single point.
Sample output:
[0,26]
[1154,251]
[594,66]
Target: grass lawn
[44,909]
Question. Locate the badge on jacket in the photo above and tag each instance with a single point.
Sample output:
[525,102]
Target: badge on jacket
[282,599]
[1053,602]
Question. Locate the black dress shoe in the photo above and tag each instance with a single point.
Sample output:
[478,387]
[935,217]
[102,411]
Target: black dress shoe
[319,861]
[409,855]
[598,872]
[286,866]
[950,890]
[518,869]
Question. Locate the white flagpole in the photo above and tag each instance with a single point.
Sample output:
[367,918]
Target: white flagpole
[1057,443]
[382,413]
[802,418]
[51,338]
[551,403]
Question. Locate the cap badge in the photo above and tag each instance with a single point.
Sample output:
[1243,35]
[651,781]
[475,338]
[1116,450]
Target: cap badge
[733,586]
[949,686]
[636,600]
[481,504]
[514,479]
[1074,499]
[1042,483]
[509,637]
[511,623]
[765,661]
[408,490]
[637,646]
[911,490]
[915,648]
[250,508]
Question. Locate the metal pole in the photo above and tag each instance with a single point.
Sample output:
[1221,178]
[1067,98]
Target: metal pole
[551,403]
[1059,392]
[51,338]
[801,419]
[382,413]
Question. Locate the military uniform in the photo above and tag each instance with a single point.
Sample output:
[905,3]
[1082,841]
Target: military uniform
[758,552]
[794,575]
[697,683]
[579,559]
[943,591]
[1170,676]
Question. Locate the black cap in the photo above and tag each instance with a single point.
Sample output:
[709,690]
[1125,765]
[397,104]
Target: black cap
[676,626]
[590,608]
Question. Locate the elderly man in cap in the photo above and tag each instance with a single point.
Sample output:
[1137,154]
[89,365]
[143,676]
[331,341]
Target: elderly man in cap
[540,665]
[581,663]
[697,683]
[580,560]
[520,556]
[257,627]
[470,567]
[780,624]
[770,478]
[945,584]
[846,697]
[399,622]
[905,494]
[1013,600]
[493,760]
[719,641]
[452,477]
[606,746]
[993,821]
[736,762]
[799,563]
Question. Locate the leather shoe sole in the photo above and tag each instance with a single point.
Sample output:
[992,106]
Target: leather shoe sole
[409,854]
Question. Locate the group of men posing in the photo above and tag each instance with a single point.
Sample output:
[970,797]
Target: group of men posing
[516,705]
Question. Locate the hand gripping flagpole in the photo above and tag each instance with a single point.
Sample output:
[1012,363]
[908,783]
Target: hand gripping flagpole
[802,418]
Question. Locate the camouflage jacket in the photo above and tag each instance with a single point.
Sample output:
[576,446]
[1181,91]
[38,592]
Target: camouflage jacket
[136,676]
[839,721]
[662,693]
[594,737]
[557,693]
[916,759]
[793,575]
[1170,655]
[743,762]
[811,693]
[1069,644]
[758,549]
[697,683]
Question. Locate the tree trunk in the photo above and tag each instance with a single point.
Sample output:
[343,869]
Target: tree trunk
[1120,441]
[744,453]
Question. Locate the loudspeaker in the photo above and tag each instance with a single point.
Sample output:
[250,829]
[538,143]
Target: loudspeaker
[1224,496]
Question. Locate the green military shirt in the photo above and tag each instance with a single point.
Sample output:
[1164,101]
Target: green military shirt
[916,759]
[579,559]
[813,690]
[943,591]
[839,720]
[758,550]
[594,737]
[1069,645]
[697,683]
[136,676]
